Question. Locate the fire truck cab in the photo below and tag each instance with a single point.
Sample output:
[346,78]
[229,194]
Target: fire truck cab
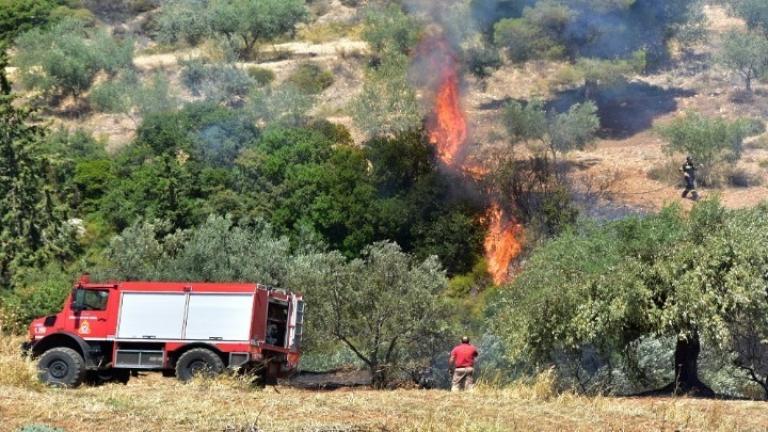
[106,331]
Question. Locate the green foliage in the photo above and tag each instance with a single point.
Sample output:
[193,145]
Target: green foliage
[283,105]
[482,60]
[217,250]
[389,30]
[19,16]
[606,30]
[746,54]
[217,82]
[37,292]
[387,103]
[604,287]
[559,133]
[574,129]
[129,94]
[711,142]
[262,76]
[241,23]
[311,78]
[538,34]
[314,183]
[754,12]
[66,57]
[33,228]
[361,295]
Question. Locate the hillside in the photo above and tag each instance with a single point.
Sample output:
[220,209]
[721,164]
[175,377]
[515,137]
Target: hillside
[619,161]
[502,170]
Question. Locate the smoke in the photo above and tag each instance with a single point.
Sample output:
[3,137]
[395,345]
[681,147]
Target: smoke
[605,29]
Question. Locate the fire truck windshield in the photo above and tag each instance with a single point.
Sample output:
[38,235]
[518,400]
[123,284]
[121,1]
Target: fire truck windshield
[90,299]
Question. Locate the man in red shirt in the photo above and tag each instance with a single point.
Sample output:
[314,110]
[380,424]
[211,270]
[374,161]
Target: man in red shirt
[463,361]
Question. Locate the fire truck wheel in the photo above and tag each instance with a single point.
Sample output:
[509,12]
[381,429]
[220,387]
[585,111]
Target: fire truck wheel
[198,361]
[62,367]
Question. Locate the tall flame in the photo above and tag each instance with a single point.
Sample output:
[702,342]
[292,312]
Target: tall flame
[448,133]
[448,128]
[501,243]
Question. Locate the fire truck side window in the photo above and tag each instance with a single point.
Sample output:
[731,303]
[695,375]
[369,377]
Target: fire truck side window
[88,299]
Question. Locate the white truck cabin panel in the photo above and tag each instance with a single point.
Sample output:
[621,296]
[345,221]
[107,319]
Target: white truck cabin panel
[219,317]
[151,315]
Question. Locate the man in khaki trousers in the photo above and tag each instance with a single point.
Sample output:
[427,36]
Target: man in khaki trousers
[463,361]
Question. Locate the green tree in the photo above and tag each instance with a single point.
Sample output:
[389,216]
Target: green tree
[746,54]
[557,133]
[311,78]
[601,288]
[310,181]
[389,30]
[711,142]
[19,16]
[754,12]
[128,94]
[66,57]
[242,23]
[380,306]
[387,104]
[33,228]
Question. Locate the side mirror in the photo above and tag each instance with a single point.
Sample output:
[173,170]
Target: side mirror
[75,306]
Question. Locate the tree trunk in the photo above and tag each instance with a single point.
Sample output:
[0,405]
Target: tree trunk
[687,368]
[378,376]
[686,371]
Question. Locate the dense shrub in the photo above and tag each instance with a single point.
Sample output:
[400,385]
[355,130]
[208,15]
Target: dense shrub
[262,76]
[66,57]
[712,142]
[311,78]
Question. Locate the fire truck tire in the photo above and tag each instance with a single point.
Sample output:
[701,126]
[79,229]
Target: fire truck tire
[63,367]
[198,361]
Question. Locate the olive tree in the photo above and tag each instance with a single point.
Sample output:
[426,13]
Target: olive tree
[754,12]
[381,306]
[560,133]
[746,54]
[66,57]
[387,103]
[710,141]
[242,23]
[695,277]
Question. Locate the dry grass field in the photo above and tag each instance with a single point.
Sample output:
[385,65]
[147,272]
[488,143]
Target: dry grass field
[153,403]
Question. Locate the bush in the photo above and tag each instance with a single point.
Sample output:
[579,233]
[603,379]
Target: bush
[37,293]
[482,61]
[217,82]
[311,78]
[712,142]
[262,76]
[66,57]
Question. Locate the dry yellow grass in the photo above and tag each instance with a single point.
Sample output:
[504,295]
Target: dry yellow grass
[153,403]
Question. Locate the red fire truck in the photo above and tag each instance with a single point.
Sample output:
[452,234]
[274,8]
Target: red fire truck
[108,330]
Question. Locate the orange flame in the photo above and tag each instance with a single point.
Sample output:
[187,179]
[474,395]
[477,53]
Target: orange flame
[448,133]
[501,243]
[448,130]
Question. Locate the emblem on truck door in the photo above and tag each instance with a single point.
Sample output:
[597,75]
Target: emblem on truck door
[85,327]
